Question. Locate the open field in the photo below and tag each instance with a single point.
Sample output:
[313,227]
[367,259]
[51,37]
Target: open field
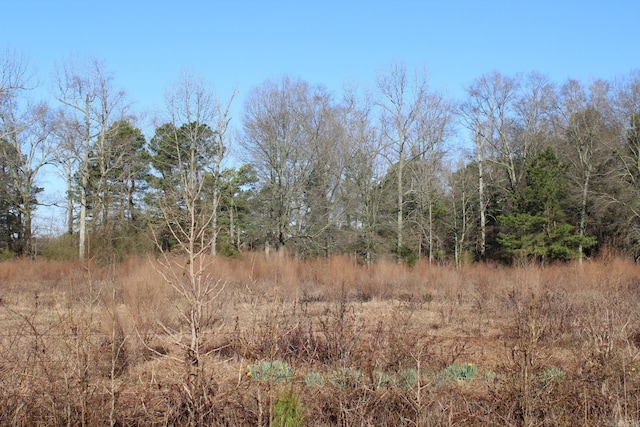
[322,342]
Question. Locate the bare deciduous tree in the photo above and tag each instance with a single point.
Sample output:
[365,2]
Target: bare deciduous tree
[86,90]
[25,130]
[27,149]
[588,135]
[414,120]
[508,118]
[283,124]
[463,207]
[199,124]
[364,173]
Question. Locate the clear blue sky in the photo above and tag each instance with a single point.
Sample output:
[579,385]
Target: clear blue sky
[239,44]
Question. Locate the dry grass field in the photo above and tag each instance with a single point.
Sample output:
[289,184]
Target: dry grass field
[322,343]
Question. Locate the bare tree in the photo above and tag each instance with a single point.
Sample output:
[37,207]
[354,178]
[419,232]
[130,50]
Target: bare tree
[509,120]
[462,201]
[323,199]
[626,106]
[626,197]
[364,172]
[426,191]
[414,120]
[195,107]
[24,138]
[27,149]
[86,90]
[588,135]
[66,156]
[195,145]
[277,140]
[15,77]
[473,117]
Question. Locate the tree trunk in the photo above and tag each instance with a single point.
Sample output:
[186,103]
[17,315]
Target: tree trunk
[400,206]
[583,212]
[82,246]
[214,223]
[483,213]
[69,206]
[82,226]
[27,231]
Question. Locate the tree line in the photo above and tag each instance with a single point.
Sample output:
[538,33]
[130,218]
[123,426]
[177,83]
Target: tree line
[521,169]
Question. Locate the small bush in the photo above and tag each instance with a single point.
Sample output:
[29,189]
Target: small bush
[465,371]
[314,379]
[407,378]
[6,255]
[345,378]
[382,379]
[550,377]
[288,411]
[276,371]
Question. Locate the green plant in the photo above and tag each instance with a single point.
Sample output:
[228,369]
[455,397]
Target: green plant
[345,378]
[382,379]
[407,378]
[6,255]
[277,371]
[465,371]
[314,379]
[287,411]
[550,377]
[408,255]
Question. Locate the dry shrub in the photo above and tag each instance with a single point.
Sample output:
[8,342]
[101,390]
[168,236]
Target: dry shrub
[146,295]
[41,274]
[553,346]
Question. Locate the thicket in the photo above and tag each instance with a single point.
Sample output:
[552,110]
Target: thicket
[322,342]
[521,168]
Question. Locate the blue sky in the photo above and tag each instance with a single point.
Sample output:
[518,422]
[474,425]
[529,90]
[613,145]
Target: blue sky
[239,44]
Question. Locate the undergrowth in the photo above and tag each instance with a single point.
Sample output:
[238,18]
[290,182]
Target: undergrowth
[324,342]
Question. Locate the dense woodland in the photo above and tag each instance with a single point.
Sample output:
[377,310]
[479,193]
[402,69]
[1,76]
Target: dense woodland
[522,169]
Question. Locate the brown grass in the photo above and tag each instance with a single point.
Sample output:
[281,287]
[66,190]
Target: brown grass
[88,345]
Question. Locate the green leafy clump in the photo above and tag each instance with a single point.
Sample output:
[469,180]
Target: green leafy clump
[408,255]
[287,411]
[464,372]
[345,378]
[407,378]
[382,379]
[276,371]
[550,377]
[6,255]
[314,379]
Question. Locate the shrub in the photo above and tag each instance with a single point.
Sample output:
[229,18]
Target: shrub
[314,379]
[382,379]
[407,378]
[408,255]
[61,248]
[345,378]
[550,377]
[465,371]
[277,371]
[6,255]
[288,411]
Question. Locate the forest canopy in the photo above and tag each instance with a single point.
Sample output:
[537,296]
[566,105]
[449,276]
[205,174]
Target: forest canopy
[520,169]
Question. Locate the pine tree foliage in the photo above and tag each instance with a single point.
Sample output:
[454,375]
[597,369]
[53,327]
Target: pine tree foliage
[539,229]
